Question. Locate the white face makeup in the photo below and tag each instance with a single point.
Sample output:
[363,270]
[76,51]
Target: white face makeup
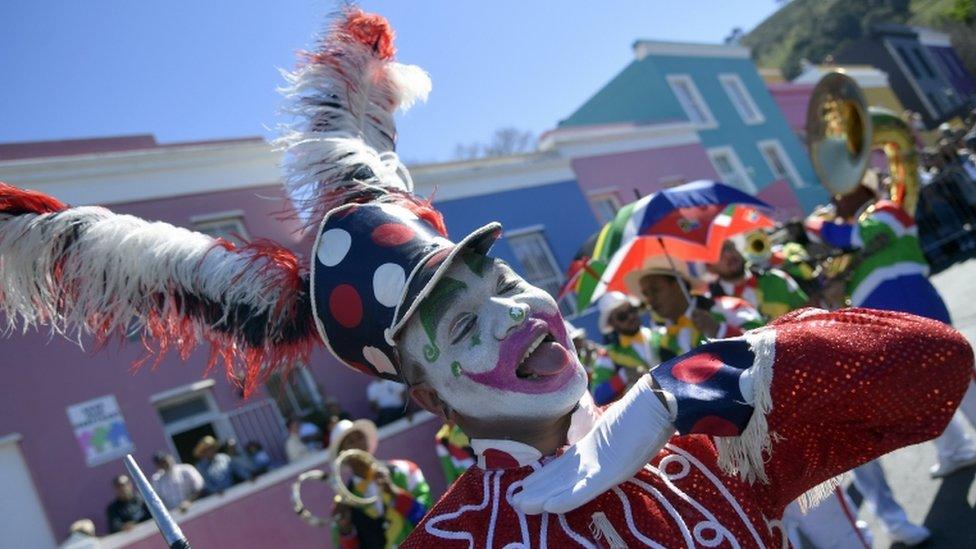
[493,346]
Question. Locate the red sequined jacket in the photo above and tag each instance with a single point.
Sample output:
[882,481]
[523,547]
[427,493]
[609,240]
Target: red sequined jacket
[833,390]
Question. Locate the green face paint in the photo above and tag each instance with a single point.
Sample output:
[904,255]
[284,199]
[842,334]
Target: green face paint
[456,368]
[475,339]
[432,309]
[475,262]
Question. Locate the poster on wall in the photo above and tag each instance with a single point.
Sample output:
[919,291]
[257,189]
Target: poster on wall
[100,430]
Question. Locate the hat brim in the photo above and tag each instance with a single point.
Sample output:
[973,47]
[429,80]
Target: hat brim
[478,241]
[603,322]
[632,279]
[366,427]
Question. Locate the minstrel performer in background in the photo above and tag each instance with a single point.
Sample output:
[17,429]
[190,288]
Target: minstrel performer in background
[762,418]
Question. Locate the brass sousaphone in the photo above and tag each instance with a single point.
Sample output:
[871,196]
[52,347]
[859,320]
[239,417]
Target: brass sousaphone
[842,130]
[334,477]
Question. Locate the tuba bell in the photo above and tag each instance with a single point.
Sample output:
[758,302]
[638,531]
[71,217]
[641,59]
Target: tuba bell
[343,495]
[843,131]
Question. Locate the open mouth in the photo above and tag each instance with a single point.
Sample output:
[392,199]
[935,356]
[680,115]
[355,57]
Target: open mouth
[544,357]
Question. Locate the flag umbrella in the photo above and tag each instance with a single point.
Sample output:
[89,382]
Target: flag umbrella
[689,223]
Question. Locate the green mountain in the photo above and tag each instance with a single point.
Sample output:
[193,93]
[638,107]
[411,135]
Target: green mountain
[814,29]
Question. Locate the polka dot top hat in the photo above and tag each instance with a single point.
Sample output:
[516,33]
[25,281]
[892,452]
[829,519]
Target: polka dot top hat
[380,249]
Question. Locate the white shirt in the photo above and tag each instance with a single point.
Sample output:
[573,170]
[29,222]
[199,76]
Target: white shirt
[386,394]
[295,449]
[178,484]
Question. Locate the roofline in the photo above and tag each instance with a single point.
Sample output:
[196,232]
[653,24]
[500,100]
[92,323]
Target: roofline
[644,48]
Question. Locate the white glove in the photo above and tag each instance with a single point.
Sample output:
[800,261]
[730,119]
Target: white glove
[631,432]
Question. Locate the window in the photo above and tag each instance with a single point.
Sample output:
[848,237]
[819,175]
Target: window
[934,101]
[539,266]
[908,61]
[691,101]
[606,206]
[923,62]
[226,225]
[730,169]
[740,98]
[779,163]
[295,394]
[188,414]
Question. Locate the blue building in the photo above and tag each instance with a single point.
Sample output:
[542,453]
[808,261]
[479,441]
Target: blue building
[535,197]
[718,89]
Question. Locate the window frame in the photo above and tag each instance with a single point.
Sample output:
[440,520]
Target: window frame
[188,392]
[793,174]
[731,79]
[594,197]
[286,382]
[566,305]
[674,80]
[201,223]
[736,163]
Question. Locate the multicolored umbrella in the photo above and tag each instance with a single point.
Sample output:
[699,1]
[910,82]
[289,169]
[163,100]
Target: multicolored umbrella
[688,222]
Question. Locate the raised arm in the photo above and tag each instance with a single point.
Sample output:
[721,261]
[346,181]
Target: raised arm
[89,272]
[792,405]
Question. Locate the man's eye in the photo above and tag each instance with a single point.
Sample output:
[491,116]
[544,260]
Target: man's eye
[462,327]
[507,285]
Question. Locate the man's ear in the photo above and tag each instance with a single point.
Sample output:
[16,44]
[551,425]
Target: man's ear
[428,399]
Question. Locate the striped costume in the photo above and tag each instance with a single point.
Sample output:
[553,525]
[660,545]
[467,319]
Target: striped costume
[454,451]
[734,316]
[773,292]
[894,276]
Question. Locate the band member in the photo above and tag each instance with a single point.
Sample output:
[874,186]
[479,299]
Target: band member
[891,273]
[763,418]
[771,291]
[607,379]
[403,493]
[686,321]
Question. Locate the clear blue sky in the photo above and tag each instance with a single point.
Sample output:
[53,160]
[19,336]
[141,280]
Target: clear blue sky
[206,69]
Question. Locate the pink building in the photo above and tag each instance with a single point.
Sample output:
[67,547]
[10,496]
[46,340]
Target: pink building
[54,469]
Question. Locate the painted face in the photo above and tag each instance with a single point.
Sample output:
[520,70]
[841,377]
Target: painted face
[730,265]
[493,346]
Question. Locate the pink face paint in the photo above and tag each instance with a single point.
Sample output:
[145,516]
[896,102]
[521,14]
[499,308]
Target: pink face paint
[551,362]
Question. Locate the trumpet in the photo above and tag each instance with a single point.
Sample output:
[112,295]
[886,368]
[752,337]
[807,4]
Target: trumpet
[343,495]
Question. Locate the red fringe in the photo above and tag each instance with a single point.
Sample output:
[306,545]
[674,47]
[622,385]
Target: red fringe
[15,201]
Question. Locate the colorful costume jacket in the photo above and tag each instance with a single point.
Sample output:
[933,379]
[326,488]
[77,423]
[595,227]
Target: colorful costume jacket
[822,393]
[894,276]
[772,292]
[607,379]
[637,352]
[454,451]
[734,315]
[399,515]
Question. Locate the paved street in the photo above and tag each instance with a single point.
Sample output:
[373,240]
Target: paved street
[948,506]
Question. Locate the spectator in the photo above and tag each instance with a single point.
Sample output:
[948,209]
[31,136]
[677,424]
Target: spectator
[332,408]
[213,465]
[387,399]
[295,449]
[259,457]
[177,484]
[240,464]
[81,535]
[311,435]
[127,509]
[330,423]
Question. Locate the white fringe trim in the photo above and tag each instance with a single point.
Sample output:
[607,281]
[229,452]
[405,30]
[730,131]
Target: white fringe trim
[744,455]
[812,497]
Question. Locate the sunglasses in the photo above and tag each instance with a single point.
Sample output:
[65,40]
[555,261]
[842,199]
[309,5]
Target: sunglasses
[626,314]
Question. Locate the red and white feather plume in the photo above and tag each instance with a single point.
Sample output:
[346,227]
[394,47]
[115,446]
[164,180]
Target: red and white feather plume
[87,272]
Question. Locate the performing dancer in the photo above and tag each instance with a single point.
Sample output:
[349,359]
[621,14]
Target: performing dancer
[763,418]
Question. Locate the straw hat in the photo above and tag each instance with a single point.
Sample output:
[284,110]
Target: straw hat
[342,429]
[205,443]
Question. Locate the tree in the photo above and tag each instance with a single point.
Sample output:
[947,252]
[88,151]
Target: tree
[504,142]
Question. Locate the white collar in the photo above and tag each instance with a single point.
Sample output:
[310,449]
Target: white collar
[512,454]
